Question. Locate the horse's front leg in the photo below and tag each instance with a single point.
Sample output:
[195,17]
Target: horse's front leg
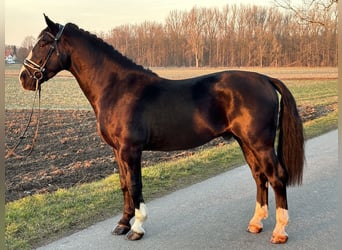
[129,159]
[124,225]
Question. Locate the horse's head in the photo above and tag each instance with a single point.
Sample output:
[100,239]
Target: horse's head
[46,58]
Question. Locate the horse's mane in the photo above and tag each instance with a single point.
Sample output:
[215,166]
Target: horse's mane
[111,51]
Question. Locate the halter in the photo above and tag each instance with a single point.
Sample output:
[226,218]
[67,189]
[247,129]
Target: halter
[39,70]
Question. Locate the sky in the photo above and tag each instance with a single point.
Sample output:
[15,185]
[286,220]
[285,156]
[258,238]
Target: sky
[25,18]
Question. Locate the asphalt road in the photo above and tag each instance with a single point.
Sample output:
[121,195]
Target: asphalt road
[214,214]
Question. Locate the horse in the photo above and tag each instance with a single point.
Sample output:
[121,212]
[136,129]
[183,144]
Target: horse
[138,110]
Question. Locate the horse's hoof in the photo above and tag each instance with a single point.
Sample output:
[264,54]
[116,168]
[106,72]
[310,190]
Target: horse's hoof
[254,229]
[131,235]
[120,229]
[279,239]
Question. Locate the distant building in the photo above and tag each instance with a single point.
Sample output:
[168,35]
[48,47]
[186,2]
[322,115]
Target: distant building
[10,59]
[10,54]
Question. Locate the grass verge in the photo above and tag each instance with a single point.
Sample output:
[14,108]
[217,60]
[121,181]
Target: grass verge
[37,219]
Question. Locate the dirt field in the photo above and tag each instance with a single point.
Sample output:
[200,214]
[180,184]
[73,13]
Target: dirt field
[69,151]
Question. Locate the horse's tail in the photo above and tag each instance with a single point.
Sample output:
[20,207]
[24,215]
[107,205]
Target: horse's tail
[291,137]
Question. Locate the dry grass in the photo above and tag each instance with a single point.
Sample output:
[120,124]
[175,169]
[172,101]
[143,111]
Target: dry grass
[283,73]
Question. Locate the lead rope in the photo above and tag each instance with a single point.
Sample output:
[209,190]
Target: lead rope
[11,151]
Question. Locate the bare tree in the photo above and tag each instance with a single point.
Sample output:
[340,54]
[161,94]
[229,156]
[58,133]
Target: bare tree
[211,17]
[175,35]
[26,46]
[28,42]
[194,24]
[312,11]
[22,53]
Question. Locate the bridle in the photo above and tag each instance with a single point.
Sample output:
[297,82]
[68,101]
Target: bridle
[39,70]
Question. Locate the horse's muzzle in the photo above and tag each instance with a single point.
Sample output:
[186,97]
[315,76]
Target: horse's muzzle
[26,80]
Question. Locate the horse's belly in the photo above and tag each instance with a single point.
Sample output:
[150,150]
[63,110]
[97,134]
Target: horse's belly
[178,140]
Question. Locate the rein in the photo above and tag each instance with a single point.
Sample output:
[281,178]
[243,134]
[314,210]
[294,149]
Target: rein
[11,151]
[38,75]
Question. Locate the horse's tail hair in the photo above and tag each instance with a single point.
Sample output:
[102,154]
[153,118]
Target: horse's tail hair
[290,149]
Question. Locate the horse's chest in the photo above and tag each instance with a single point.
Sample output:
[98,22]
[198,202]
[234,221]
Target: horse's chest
[114,128]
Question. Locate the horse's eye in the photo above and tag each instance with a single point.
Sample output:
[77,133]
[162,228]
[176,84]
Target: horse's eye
[42,43]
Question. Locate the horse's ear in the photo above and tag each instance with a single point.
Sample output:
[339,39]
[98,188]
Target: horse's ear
[54,27]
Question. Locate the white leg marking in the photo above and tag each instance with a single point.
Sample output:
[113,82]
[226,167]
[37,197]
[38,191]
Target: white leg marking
[261,212]
[140,217]
[282,219]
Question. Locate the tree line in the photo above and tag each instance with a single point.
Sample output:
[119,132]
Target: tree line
[232,36]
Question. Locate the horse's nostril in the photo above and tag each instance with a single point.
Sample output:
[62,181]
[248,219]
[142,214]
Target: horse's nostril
[27,82]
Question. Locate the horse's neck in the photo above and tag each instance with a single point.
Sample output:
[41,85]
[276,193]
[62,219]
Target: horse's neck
[96,74]
[92,74]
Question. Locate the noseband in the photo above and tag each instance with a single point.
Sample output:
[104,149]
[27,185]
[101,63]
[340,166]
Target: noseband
[39,70]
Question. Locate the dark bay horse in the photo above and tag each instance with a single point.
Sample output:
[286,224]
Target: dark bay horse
[137,110]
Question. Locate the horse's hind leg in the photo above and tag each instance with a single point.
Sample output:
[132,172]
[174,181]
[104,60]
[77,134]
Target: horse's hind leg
[261,207]
[277,177]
